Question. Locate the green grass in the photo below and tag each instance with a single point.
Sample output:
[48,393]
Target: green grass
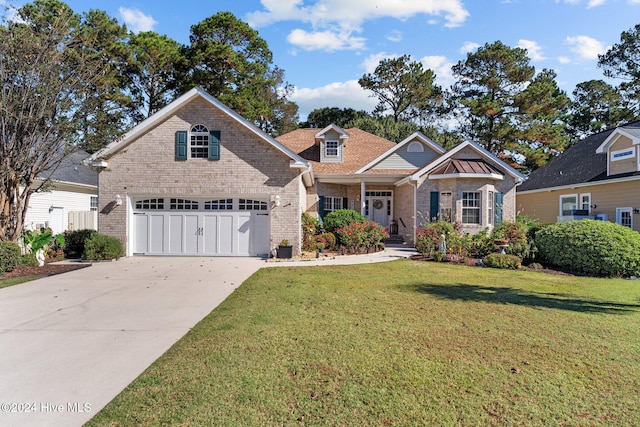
[401,343]
[5,283]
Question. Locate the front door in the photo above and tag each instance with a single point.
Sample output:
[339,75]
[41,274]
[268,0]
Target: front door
[379,207]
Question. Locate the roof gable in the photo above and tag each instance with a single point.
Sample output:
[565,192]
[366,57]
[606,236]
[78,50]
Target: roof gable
[341,133]
[403,145]
[171,109]
[484,157]
[632,133]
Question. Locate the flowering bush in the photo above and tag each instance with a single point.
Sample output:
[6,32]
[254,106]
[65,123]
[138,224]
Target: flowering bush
[427,240]
[357,236]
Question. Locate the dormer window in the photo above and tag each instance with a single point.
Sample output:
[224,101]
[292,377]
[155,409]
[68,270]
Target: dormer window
[331,148]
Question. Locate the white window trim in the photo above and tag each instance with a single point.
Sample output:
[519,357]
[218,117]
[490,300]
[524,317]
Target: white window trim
[619,212]
[566,196]
[478,208]
[491,201]
[580,205]
[623,154]
[193,133]
[327,148]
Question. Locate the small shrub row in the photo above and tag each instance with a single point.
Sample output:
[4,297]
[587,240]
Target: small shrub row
[75,241]
[9,256]
[506,261]
[102,247]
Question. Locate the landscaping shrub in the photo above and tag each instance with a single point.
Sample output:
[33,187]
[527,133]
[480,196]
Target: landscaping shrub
[9,256]
[310,227]
[479,245]
[506,261]
[358,236]
[340,218]
[515,233]
[427,241]
[75,241]
[103,247]
[327,239]
[597,248]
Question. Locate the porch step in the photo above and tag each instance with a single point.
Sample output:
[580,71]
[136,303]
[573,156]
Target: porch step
[394,239]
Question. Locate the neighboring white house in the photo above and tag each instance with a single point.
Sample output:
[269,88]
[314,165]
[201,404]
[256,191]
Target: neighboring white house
[72,201]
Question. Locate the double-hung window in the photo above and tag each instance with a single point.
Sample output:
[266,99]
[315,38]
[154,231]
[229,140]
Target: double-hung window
[199,142]
[471,207]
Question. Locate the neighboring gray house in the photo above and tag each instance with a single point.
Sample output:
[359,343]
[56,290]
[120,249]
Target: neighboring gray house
[72,201]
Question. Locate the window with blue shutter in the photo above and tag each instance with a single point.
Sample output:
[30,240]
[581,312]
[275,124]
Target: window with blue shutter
[498,208]
[321,207]
[434,206]
[214,145]
[182,136]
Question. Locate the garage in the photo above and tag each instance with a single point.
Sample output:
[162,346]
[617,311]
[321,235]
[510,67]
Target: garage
[200,226]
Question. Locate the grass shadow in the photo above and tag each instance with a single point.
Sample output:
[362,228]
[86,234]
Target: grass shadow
[499,295]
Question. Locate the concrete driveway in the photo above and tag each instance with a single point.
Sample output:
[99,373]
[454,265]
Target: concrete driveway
[70,343]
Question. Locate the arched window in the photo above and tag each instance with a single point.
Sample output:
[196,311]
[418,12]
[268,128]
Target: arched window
[199,142]
[415,147]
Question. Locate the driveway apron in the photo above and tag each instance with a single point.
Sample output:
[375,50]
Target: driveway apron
[70,343]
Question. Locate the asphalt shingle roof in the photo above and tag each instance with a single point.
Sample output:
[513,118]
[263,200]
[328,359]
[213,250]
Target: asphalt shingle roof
[360,148]
[72,169]
[579,164]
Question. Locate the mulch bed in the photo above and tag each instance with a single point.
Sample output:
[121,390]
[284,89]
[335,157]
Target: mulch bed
[45,270]
[474,262]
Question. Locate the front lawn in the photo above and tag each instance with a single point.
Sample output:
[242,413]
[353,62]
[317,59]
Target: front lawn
[401,343]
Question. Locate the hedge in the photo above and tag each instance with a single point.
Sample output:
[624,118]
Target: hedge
[597,248]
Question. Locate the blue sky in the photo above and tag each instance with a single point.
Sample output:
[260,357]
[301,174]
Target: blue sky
[325,46]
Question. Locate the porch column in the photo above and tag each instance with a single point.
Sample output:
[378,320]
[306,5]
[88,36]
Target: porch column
[363,192]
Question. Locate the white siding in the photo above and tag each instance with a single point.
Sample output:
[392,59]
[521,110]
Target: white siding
[67,197]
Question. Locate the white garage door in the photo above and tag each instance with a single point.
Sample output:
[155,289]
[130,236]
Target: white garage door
[181,226]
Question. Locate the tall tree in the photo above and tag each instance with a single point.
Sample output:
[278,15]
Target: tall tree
[541,130]
[105,100]
[154,72]
[506,110]
[622,61]
[596,106]
[233,63]
[386,127]
[42,85]
[323,117]
[403,88]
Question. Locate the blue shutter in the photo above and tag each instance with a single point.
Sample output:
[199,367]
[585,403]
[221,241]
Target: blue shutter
[345,203]
[498,208]
[214,145]
[434,206]
[182,137]
[321,207]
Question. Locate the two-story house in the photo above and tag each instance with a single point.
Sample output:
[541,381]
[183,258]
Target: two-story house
[598,178]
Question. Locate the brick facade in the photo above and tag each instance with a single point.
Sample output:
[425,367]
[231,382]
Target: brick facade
[249,167]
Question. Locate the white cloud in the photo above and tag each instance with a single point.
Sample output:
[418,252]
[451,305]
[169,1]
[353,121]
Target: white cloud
[563,60]
[325,40]
[468,47]
[348,17]
[136,20]
[372,61]
[342,95]
[590,3]
[586,47]
[396,36]
[533,49]
[440,65]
